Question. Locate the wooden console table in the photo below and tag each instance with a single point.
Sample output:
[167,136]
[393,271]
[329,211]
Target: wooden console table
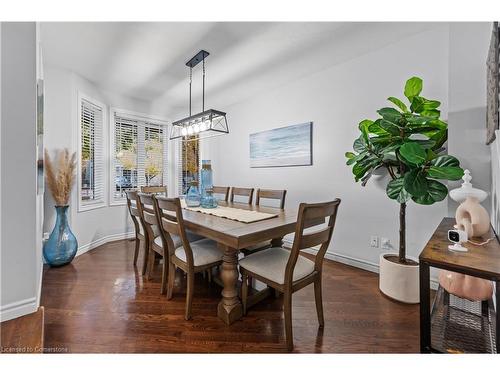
[479,261]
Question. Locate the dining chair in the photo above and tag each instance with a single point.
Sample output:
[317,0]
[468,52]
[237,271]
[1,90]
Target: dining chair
[154,190]
[267,195]
[278,195]
[242,192]
[194,257]
[154,240]
[136,220]
[289,271]
[222,190]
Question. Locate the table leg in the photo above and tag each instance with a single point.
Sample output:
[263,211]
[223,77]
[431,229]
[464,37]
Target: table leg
[497,315]
[425,313]
[230,308]
[277,242]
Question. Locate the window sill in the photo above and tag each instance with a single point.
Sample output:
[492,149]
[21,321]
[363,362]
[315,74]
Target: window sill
[118,203]
[82,207]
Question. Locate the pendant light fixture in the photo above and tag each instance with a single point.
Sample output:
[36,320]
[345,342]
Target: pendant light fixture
[205,124]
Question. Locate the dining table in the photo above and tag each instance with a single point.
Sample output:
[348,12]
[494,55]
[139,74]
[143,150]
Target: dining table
[233,236]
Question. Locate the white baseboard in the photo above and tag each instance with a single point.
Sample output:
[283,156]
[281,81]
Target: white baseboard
[19,308]
[351,261]
[101,241]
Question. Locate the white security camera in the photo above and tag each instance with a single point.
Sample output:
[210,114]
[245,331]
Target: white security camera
[458,237]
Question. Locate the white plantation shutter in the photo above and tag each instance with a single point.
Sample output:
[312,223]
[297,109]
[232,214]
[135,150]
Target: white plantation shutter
[154,154]
[147,139]
[124,169]
[91,184]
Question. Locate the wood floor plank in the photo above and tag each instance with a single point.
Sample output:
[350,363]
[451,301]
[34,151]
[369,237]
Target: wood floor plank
[24,334]
[101,304]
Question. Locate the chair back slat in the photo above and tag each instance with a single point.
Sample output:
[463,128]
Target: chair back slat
[147,202]
[222,190]
[242,192]
[154,190]
[308,213]
[170,226]
[134,211]
[150,218]
[315,239]
[271,194]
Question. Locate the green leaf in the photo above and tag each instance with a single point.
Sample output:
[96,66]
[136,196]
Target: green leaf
[415,183]
[402,106]
[395,190]
[357,158]
[389,127]
[417,120]
[446,173]
[390,114]
[445,161]
[425,143]
[439,138]
[413,153]
[413,87]
[375,128]
[417,104]
[432,104]
[433,113]
[436,192]
[363,127]
[350,155]
[359,145]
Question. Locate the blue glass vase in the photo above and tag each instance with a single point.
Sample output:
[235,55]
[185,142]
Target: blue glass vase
[61,247]
[207,198]
[193,195]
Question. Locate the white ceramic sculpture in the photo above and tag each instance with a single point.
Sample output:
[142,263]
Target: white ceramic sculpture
[471,217]
[474,219]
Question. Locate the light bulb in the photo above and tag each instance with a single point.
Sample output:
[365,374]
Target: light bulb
[206,125]
[190,130]
[184,131]
[196,128]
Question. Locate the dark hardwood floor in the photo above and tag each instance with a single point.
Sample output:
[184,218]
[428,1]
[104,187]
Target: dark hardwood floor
[101,303]
[23,335]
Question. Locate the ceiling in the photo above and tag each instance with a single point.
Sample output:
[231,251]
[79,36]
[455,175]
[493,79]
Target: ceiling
[147,60]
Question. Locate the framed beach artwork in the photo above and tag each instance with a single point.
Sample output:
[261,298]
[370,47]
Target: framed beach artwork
[282,147]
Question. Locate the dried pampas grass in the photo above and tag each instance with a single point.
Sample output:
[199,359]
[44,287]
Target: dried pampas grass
[60,177]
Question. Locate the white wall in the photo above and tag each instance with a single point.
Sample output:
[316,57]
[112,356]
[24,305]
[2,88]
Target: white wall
[20,235]
[469,43]
[96,226]
[335,100]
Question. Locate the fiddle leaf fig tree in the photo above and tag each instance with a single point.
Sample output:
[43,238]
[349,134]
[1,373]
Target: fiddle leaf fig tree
[406,140]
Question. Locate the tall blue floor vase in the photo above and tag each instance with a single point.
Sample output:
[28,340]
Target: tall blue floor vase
[61,247]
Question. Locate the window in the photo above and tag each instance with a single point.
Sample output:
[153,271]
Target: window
[189,163]
[125,156]
[139,156]
[91,173]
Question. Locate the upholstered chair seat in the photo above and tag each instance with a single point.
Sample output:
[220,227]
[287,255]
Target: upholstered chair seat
[204,252]
[271,264]
[175,239]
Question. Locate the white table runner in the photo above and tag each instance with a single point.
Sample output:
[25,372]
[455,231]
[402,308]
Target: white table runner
[232,213]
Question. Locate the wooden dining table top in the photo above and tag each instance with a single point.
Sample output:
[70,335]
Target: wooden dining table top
[239,235]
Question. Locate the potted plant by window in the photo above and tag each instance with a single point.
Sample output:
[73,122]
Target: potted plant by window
[406,143]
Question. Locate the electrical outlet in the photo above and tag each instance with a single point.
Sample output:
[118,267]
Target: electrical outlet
[374,241]
[385,243]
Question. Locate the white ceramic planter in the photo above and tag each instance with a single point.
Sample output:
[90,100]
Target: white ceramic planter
[399,281]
